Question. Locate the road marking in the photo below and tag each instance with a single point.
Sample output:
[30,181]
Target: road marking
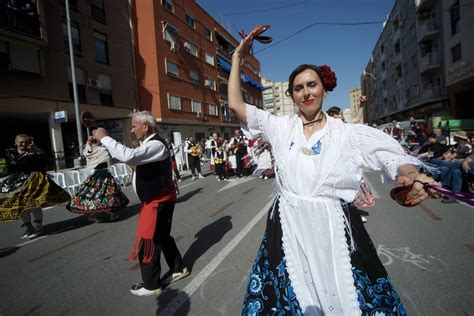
[249,190]
[65,246]
[199,279]
[470,247]
[235,183]
[221,209]
[430,212]
[31,241]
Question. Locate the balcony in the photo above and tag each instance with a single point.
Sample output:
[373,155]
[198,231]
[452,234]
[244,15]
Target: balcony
[429,62]
[428,29]
[430,93]
[20,21]
[424,4]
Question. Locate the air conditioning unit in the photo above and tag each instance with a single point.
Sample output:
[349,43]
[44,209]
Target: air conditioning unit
[199,115]
[173,47]
[94,83]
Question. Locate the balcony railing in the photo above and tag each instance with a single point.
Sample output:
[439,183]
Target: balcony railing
[429,61]
[19,21]
[428,29]
[430,93]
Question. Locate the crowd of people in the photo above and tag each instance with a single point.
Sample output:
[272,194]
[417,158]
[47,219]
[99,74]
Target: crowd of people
[453,158]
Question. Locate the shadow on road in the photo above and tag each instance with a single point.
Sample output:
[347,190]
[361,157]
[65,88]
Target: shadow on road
[180,304]
[206,238]
[5,252]
[187,196]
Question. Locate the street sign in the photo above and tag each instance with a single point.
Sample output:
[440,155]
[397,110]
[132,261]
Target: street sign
[88,119]
[60,117]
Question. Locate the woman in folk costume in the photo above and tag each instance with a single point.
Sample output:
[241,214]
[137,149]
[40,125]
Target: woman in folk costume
[100,193]
[28,188]
[316,257]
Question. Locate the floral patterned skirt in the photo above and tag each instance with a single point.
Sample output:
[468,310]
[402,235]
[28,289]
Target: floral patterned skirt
[20,192]
[269,291]
[99,193]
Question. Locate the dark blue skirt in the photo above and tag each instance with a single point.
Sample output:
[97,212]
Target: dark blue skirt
[269,290]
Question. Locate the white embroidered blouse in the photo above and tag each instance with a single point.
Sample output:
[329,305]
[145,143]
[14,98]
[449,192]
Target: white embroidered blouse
[312,176]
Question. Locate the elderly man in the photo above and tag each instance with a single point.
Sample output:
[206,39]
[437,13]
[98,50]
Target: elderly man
[153,183]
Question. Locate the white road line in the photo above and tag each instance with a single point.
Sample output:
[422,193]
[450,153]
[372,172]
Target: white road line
[31,241]
[199,279]
[232,184]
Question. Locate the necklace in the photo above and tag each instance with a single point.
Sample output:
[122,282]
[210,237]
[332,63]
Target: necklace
[314,121]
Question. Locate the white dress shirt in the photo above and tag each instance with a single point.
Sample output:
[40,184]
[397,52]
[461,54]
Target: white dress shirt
[148,151]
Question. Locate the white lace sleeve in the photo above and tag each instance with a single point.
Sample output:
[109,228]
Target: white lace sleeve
[380,151]
[261,123]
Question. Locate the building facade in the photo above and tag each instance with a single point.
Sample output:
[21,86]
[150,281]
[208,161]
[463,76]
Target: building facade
[409,73]
[275,99]
[354,96]
[458,17]
[183,59]
[35,71]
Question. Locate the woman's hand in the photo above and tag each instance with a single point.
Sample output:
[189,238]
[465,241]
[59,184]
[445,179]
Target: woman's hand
[418,193]
[244,47]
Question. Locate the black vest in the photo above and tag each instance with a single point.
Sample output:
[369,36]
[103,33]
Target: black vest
[154,177]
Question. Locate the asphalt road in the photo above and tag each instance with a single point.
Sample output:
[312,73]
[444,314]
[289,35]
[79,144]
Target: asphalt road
[79,268]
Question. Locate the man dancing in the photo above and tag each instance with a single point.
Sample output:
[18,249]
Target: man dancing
[153,183]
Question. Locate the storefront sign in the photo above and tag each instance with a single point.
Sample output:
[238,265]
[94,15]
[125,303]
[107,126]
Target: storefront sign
[459,70]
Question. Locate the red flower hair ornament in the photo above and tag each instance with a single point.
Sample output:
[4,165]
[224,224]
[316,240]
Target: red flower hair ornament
[328,77]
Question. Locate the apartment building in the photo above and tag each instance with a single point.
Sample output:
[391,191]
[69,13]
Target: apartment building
[183,59]
[35,71]
[458,17]
[406,74]
[275,99]
[354,96]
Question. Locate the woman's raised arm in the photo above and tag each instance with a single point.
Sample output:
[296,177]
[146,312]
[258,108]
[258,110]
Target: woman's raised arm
[236,101]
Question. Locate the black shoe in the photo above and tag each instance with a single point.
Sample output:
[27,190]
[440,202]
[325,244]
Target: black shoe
[447,200]
[30,230]
[176,276]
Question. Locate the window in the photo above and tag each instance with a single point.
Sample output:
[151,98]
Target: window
[170,34]
[171,68]
[207,33]
[75,34]
[381,48]
[456,53]
[101,51]
[210,84]
[209,59]
[213,109]
[194,76]
[105,89]
[97,10]
[455,17]
[190,20]
[174,102]
[191,48]
[196,106]
[4,56]
[81,84]
[167,4]
[20,58]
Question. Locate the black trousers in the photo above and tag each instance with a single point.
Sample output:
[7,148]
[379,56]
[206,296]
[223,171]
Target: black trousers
[162,239]
[240,171]
[220,171]
[194,163]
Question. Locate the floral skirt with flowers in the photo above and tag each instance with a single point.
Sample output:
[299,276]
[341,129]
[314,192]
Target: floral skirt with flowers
[22,191]
[99,193]
[269,291]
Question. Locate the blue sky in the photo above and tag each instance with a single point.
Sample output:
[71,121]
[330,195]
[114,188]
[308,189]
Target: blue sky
[347,49]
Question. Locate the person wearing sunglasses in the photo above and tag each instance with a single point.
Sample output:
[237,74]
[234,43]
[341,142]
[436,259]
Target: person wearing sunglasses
[316,258]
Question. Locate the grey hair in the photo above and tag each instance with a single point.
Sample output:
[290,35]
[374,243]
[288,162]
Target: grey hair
[146,117]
